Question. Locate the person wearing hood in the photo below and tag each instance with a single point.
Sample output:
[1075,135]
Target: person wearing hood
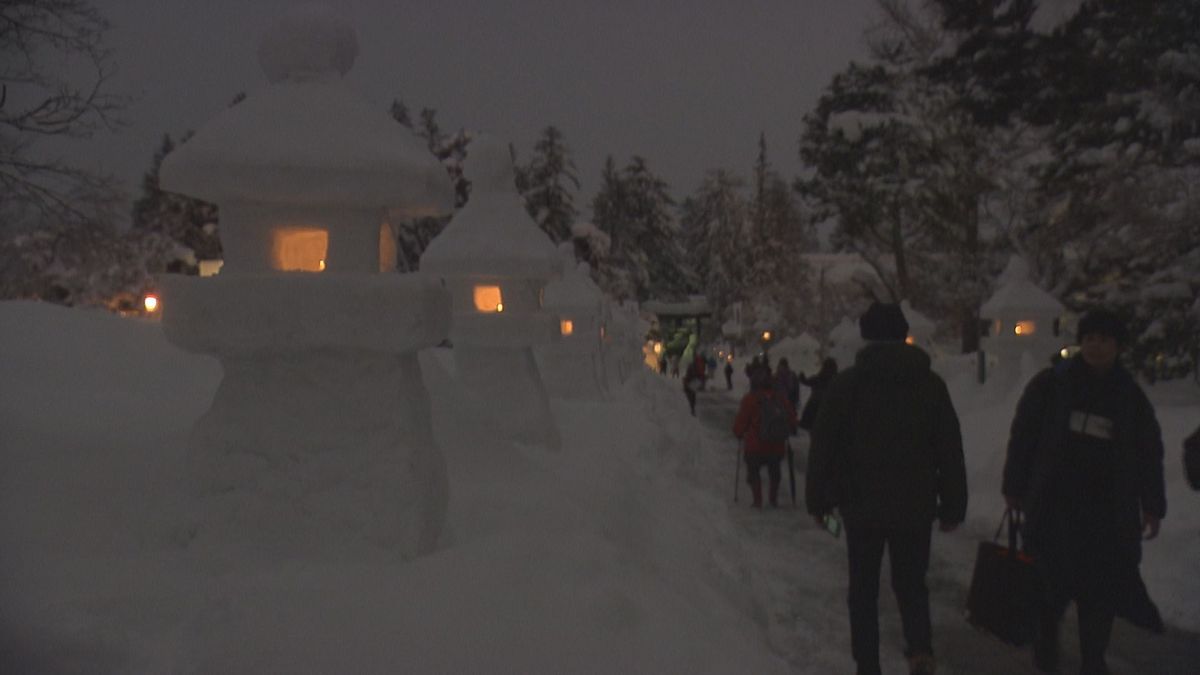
[887,455]
[1085,465]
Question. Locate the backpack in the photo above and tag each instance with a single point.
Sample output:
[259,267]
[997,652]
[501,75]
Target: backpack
[773,424]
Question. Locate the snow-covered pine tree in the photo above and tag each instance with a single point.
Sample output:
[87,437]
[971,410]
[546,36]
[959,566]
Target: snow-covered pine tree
[776,239]
[610,215]
[190,223]
[858,146]
[1123,97]
[713,222]
[654,251]
[548,183]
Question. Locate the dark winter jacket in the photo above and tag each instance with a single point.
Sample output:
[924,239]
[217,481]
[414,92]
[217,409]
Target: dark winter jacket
[1052,469]
[746,423]
[886,448]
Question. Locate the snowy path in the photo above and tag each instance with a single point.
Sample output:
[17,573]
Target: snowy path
[799,583]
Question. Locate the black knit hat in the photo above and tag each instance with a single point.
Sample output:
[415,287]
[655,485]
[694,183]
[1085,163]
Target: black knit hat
[883,322]
[1102,322]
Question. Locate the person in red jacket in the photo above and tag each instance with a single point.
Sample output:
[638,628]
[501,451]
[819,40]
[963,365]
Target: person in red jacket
[760,452]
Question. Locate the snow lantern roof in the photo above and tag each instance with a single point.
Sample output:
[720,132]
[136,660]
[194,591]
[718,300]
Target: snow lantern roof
[1018,296]
[493,234]
[575,287]
[918,323]
[308,138]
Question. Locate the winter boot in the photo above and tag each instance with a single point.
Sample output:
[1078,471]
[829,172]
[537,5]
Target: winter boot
[756,490]
[922,664]
[773,495]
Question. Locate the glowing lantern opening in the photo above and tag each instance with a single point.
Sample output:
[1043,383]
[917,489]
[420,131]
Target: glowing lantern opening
[1024,328]
[299,249]
[766,335]
[909,340]
[658,348]
[150,302]
[488,299]
[566,326]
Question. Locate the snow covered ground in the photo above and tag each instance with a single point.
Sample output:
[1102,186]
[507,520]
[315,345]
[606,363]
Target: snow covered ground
[621,553]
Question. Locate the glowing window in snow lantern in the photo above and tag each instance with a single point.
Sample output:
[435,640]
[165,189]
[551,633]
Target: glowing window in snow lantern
[150,302]
[488,299]
[299,249]
[566,326]
[909,340]
[1024,328]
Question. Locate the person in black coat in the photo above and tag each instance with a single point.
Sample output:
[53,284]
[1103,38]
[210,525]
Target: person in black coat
[1084,463]
[887,454]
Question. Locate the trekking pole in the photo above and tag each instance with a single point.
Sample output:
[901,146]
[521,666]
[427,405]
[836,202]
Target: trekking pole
[791,458]
[737,472]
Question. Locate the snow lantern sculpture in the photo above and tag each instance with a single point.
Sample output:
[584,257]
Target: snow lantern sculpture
[845,339]
[496,262]
[573,366]
[319,436]
[1024,319]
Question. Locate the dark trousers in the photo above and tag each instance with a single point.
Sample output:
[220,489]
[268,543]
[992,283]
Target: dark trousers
[755,462]
[908,551]
[1083,566]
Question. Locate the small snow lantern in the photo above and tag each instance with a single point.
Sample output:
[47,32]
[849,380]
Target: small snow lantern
[573,366]
[322,400]
[496,262]
[1022,319]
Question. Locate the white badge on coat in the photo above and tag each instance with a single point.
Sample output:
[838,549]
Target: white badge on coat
[1091,425]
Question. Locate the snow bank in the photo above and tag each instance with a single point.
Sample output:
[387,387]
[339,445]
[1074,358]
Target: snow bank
[599,558]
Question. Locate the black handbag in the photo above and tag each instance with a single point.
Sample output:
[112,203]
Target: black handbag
[1005,587]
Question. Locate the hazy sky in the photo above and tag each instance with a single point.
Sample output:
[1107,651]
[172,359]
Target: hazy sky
[688,84]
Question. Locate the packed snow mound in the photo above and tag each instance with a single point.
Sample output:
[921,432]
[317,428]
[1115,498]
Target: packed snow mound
[599,558]
[309,41]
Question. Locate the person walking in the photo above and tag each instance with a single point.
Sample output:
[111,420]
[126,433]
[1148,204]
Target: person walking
[729,373]
[787,381]
[693,379]
[1085,465]
[763,423]
[887,454]
[818,383]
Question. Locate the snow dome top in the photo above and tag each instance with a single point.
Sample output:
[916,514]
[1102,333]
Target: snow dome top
[846,332]
[575,288]
[493,234]
[308,139]
[309,41]
[1017,295]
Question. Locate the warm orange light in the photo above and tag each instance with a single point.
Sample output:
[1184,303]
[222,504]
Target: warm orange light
[766,335]
[658,348]
[566,326]
[150,302]
[1024,328]
[299,249]
[909,340]
[488,299]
